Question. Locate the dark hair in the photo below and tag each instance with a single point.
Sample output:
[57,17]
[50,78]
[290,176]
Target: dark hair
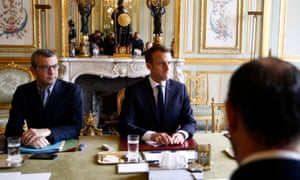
[40,52]
[153,49]
[266,92]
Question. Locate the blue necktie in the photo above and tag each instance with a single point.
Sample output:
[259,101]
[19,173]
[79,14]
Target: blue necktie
[160,102]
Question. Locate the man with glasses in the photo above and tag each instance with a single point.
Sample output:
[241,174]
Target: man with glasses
[51,108]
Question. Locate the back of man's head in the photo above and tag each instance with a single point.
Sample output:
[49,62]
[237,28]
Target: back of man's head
[266,93]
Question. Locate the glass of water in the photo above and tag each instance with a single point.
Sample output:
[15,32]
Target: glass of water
[133,147]
[14,158]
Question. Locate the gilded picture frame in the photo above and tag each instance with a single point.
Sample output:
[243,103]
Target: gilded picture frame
[221,27]
[16,24]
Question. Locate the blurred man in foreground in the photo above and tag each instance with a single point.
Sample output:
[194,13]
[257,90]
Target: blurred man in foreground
[263,109]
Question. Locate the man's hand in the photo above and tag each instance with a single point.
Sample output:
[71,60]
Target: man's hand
[162,138]
[178,138]
[36,137]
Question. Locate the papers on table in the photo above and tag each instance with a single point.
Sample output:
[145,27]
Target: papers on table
[19,176]
[133,168]
[174,174]
[151,156]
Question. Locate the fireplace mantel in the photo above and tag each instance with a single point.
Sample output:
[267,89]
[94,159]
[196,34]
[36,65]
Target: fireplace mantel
[73,67]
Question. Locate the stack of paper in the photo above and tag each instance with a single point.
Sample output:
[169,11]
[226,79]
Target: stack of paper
[19,176]
[133,168]
[174,174]
[151,156]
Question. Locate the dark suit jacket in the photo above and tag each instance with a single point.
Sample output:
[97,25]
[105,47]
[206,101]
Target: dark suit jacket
[139,110]
[63,113]
[138,44]
[281,169]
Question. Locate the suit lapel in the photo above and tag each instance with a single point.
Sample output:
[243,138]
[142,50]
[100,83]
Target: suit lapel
[167,94]
[150,99]
[53,96]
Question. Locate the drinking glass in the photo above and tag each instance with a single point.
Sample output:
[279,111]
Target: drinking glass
[133,147]
[14,158]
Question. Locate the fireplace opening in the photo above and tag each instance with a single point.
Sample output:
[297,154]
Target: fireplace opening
[100,96]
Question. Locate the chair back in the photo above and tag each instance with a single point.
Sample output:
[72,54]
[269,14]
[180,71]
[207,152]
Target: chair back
[120,99]
[11,76]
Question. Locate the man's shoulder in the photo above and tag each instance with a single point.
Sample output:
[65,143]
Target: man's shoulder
[175,83]
[66,84]
[27,85]
[138,84]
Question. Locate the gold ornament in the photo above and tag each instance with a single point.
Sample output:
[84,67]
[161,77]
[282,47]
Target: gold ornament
[124,19]
[157,3]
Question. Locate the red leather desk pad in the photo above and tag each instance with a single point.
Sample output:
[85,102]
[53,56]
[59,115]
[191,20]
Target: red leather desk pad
[188,144]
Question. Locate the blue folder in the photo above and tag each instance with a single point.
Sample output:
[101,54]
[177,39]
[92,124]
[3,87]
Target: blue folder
[53,148]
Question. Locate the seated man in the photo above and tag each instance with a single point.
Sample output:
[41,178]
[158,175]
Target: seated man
[52,108]
[137,44]
[263,110]
[140,113]
[148,45]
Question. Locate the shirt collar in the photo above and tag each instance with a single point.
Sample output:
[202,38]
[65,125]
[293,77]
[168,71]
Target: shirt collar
[50,88]
[154,83]
[272,154]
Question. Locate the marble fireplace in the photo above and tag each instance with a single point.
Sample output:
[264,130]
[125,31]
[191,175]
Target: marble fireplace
[101,78]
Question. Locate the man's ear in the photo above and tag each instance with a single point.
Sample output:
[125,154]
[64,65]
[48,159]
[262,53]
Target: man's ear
[149,66]
[232,116]
[32,69]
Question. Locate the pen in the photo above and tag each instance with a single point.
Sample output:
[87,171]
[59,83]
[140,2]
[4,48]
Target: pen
[82,146]
[25,127]
[155,151]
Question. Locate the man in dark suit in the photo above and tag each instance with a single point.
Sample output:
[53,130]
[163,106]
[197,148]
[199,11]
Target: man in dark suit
[137,44]
[51,108]
[140,113]
[263,110]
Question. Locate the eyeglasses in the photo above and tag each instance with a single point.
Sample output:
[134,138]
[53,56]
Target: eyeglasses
[48,67]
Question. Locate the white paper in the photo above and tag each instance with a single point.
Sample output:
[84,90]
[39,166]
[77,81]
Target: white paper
[178,174]
[157,155]
[35,176]
[133,167]
[10,175]
[19,176]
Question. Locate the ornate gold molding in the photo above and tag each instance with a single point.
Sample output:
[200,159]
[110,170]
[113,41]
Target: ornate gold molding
[18,60]
[177,29]
[216,61]
[64,28]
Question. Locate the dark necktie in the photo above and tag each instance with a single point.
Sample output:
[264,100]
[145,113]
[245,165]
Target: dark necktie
[45,94]
[160,101]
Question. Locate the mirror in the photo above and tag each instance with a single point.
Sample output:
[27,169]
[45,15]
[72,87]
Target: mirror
[141,19]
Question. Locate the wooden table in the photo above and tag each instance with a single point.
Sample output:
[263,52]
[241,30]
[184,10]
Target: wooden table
[83,164]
